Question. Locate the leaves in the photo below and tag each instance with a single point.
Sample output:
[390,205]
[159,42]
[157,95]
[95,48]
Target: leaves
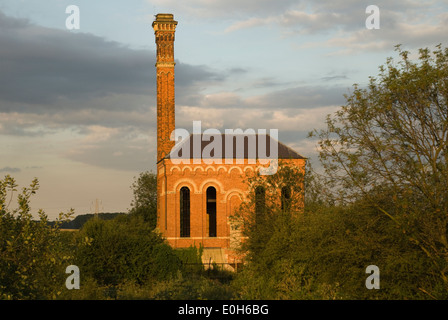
[392,138]
[31,260]
[124,248]
[145,197]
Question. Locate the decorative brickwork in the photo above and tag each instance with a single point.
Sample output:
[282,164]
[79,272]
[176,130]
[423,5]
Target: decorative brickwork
[199,216]
[231,189]
[164,29]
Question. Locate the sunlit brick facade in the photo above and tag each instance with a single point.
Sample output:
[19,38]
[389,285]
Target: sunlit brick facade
[196,198]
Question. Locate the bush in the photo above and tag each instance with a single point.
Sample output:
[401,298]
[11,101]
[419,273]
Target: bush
[324,255]
[125,248]
[32,255]
[191,288]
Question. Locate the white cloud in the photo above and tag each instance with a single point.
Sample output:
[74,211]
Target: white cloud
[229,9]
[411,36]
[303,119]
[412,23]
[221,99]
[249,23]
[97,134]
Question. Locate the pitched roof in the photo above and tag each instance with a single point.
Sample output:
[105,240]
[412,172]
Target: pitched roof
[237,146]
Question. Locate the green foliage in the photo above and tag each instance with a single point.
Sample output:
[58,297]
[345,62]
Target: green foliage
[32,253]
[80,219]
[192,288]
[257,221]
[392,139]
[89,289]
[125,258]
[125,248]
[267,226]
[191,259]
[144,203]
[324,254]
[381,199]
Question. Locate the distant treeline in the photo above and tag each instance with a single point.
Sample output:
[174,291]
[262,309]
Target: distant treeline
[79,220]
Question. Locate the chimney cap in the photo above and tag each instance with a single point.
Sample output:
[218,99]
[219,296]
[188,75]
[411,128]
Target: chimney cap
[165,17]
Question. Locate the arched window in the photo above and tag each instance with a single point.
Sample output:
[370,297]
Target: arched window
[286,198]
[260,198]
[211,211]
[184,212]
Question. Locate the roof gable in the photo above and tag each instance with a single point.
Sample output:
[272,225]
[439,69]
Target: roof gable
[233,146]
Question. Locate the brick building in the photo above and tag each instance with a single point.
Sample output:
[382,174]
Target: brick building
[197,194]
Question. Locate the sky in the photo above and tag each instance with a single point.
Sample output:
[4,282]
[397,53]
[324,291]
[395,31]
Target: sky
[78,107]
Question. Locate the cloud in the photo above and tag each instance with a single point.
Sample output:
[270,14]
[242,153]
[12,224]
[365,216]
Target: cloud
[221,100]
[10,170]
[224,9]
[42,66]
[293,125]
[48,70]
[332,78]
[411,36]
[103,93]
[96,95]
[283,108]
[121,149]
[295,108]
[249,23]
[341,23]
[269,82]
[300,97]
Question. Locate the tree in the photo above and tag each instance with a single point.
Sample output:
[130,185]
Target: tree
[266,215]
[32,254]
[124,249]
[145,197]
[390,142]
[321,251]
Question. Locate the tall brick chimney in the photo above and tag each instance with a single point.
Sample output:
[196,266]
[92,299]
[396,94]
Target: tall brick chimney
[164,28]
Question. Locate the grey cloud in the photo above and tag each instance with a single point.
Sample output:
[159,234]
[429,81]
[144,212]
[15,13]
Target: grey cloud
[329,16]
[332,78]
[319,17]
[10,170]
[293,137]
[269,83]
[301,97]
[46,69]
[126,149]
[305,96]
[41,66]
[237,70]
[189,80]
[53,80]
[22,129]
[232,9]
[116,156]
[411,23]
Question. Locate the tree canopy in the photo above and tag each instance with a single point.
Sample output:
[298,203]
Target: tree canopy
[144,203]
[391,139]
